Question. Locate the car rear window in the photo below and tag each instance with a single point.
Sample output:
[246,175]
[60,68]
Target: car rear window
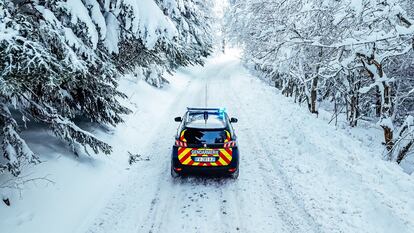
[206,120]
[202,136]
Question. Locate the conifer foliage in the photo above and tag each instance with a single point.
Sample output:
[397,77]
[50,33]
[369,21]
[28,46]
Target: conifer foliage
[61,59]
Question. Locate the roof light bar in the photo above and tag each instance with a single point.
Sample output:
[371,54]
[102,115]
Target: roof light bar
[207,109]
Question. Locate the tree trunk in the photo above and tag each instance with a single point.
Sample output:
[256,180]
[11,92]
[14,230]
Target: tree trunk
[314,96]
[386,113]
[383,98]
[404,152]
[377,102]
[296,94]
[353,111]
[314,88]
[388,136]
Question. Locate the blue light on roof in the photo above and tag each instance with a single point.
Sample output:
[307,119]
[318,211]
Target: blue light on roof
[222,112]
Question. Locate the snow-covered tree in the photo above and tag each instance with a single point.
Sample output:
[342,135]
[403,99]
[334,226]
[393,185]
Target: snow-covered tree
[349,52]
[61,59]
[193,19]
[51,75]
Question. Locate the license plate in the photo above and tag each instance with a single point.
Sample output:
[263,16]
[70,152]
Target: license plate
[205,159]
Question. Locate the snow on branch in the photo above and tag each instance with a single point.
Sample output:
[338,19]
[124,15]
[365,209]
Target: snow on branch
[66,129]
[15,150]
[404,141]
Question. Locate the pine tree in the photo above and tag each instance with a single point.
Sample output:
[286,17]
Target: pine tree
[193,19]
[61,59]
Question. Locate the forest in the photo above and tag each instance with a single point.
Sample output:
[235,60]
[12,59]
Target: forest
[353,57]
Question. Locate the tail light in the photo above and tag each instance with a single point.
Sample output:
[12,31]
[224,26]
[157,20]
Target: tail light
[230,144]
[180,143]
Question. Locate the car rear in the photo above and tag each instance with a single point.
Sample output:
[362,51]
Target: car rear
[206,151]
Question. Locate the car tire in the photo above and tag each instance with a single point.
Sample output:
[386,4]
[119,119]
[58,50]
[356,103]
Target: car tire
[235,175]
[174,174]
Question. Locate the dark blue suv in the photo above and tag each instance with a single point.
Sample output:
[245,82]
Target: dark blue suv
[205,144]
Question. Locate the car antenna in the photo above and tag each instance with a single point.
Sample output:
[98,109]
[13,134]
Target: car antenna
[205,117]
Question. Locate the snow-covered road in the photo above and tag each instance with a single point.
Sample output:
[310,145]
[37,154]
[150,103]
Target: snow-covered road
[298,174]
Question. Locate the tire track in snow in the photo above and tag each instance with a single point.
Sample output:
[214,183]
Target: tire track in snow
[286,201]
[254,197]
[159,214]
[153,212]
[198,191]
[160,218]
[230,219]
[290,201]
[121,210]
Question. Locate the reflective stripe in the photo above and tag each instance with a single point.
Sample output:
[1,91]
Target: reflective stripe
[226,154]
[184,153]
[181,150]
[187,161]
[182,138]
[223,158]
[228,136]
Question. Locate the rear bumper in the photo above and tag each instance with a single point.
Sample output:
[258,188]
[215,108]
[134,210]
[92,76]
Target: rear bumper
[210,170]
[223,170]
